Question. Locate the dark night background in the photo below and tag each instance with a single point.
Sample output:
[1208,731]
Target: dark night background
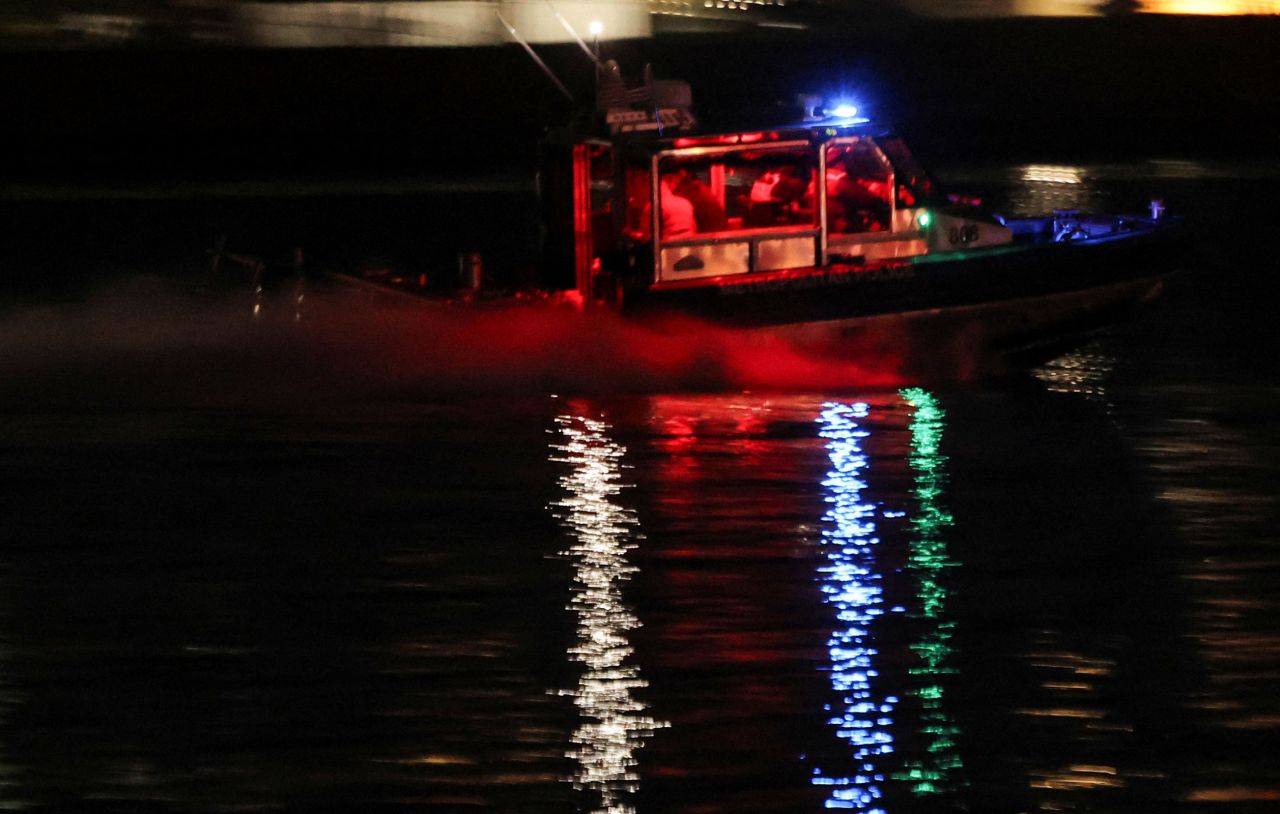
[138,156]
[970,89]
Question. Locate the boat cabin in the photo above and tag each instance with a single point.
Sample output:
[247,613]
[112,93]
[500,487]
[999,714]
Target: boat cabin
[813,232]
[654,209]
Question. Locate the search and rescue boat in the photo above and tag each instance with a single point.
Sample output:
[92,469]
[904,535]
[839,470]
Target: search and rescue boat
[823,233]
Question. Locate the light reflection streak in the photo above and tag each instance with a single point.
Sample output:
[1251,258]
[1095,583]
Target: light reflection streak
[851,584]
[1083,372]
[102,26]
[935,773]
[9,700]
[1213,469]
[612,725]
[1211,7]
[1052,174]
[1041,188]
[8,771]
[1073,710]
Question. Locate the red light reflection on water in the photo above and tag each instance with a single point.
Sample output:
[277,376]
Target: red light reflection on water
[563,348]
[149,346]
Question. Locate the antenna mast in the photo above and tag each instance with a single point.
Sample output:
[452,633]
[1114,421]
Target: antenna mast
[534,56]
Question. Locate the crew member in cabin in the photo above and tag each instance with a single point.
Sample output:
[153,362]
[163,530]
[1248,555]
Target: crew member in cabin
[678,220]
[762,189]
[777,197]
[858,191]
[708,211]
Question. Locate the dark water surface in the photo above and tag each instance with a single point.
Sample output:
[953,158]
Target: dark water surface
[312,588]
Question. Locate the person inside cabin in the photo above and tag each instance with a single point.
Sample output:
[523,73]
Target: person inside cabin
[762,189]
[677,212]
[905,196]
[789,192]
[774,195]
[708,211]
[855,202]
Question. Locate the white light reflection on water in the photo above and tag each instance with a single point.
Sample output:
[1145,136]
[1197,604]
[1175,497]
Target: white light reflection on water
[1051,174]
[851,584]
[1211,458]
[8,700]
[612,725]
[1083,372]
[1038,189]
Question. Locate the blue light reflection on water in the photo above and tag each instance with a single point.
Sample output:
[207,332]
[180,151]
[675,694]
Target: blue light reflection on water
[852,586]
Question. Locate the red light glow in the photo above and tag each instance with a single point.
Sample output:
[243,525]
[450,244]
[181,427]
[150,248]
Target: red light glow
[726,140]
[348,347]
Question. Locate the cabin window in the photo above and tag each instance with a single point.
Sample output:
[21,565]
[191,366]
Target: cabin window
[639,192]
[721,193]
[915,187]
[860,192]
[599,197]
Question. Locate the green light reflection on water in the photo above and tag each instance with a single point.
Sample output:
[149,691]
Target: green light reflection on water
[936,772]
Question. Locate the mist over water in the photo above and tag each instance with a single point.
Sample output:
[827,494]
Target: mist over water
[151,341]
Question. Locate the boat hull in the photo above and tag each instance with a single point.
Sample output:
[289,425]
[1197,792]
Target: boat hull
[1023,303]
[966,341]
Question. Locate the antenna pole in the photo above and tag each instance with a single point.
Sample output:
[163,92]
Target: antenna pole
[537,59]
[595,58]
